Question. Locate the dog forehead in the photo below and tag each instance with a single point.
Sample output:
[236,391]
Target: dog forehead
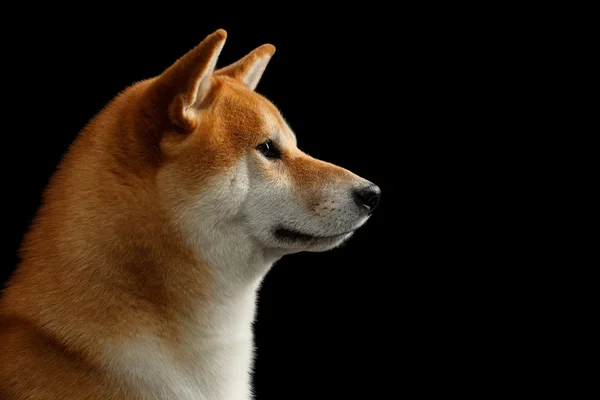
[248,113]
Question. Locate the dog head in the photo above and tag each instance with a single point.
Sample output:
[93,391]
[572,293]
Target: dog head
[230,164]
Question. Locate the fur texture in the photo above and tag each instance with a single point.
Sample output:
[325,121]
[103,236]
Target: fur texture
[139,274]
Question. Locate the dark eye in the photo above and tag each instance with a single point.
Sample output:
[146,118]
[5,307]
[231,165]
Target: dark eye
[268,149]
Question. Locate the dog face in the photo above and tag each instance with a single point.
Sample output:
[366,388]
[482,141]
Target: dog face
[232,165]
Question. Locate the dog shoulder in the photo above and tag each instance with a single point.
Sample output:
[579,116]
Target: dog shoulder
[36,367]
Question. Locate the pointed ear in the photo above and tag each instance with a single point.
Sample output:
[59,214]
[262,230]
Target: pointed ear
[187,83]
[249,69]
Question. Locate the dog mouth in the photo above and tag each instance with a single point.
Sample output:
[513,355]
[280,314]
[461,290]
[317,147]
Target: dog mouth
[291,235]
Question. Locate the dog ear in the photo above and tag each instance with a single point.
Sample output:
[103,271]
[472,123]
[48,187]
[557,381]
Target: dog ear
[187,83]
[250,68]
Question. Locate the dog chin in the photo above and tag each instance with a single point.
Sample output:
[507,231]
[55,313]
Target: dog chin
[332,243]
[294,241]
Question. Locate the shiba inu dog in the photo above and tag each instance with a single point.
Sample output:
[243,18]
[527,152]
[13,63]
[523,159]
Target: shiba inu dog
[139,275]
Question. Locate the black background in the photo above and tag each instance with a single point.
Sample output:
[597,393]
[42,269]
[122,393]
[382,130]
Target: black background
[376,91]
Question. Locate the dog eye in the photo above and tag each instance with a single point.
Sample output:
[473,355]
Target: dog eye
[268,149]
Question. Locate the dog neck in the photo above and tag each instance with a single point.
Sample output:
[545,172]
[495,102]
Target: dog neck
[237,269]
[214,347]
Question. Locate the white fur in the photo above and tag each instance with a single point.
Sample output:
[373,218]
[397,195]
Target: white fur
[213,360]
[254,73]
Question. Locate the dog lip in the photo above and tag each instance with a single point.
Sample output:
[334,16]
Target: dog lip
[286,234]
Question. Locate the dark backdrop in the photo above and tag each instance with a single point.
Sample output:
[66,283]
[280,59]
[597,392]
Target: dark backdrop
[362,89]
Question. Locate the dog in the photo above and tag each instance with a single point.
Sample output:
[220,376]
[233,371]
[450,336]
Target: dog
[139,275]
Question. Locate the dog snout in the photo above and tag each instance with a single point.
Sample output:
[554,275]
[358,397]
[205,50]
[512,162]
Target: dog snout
[367,196]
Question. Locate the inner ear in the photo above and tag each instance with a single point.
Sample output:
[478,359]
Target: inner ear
[186,84]
[250,68]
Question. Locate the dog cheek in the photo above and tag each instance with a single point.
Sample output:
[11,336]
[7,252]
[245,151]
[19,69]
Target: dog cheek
[237,191]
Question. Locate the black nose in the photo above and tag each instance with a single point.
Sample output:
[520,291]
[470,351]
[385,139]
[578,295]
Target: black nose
[367,196]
